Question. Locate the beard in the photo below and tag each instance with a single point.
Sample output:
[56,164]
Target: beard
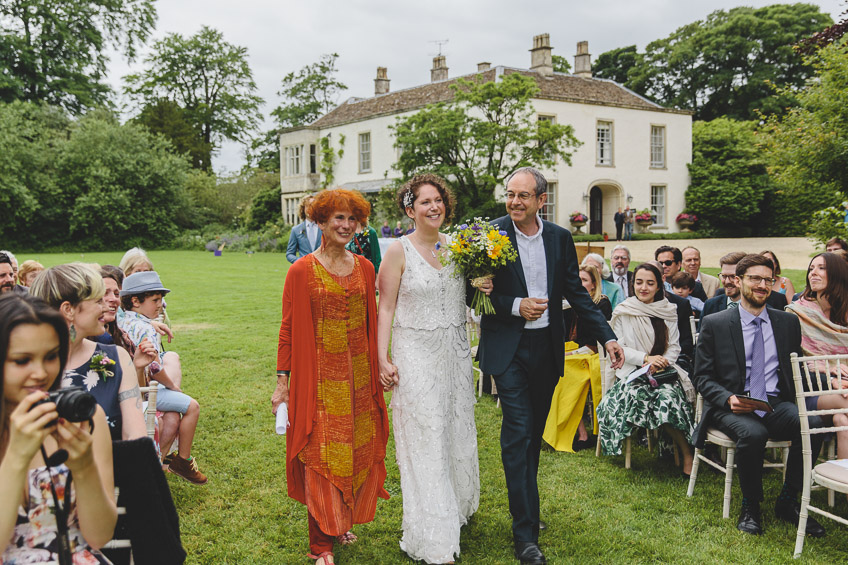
[7,287]
[753,298]
[619,271]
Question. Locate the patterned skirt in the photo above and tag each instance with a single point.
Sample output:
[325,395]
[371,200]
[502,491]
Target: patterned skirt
[626,407]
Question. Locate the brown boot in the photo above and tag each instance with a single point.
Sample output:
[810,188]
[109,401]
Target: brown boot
[187,470]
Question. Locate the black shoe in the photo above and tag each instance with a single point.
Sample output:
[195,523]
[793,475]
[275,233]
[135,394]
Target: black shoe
[543,525]
[588,443]
[750,521]
[528,553]
[790,511]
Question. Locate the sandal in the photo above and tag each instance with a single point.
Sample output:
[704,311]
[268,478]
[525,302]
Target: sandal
[346,538]
[325,558]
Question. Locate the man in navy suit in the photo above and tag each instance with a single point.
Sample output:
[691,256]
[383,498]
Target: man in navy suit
[522,343]
[305,237]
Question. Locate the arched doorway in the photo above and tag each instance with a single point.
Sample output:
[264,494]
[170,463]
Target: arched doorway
[596,210]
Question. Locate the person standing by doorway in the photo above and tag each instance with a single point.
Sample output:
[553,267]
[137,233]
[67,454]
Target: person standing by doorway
[619,224]
[628,224]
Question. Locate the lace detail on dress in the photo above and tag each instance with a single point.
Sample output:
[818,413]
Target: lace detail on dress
[433,410]
[423,297]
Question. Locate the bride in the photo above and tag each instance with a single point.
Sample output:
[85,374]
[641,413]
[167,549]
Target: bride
[430,371]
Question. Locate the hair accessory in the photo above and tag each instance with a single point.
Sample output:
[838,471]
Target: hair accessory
[408,198]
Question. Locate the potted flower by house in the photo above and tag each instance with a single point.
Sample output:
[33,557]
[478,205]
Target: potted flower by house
[644,218]
[686,221]
[578,220]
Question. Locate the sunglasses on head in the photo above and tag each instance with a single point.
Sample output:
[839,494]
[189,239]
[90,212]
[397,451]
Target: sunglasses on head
[667,263]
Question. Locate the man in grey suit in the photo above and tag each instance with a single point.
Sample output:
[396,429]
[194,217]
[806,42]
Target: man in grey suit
[305,237]
[522,343]
[744,351]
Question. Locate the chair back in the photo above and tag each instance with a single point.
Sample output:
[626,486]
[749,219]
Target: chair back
[150,410]
[813,376]
[694,326]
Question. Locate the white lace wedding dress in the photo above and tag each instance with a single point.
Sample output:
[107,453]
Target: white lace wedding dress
[433,410]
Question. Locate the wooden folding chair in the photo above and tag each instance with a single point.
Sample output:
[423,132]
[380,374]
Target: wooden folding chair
[150,409]
[812,379]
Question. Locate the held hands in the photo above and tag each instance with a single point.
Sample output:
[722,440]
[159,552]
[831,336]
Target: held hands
[388,374]
[145,354]
[740,405]
[28,428]
[531,309]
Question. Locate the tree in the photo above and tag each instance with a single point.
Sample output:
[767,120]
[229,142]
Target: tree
[476,141]
[728,64]
[807,149]
[206,76]
[615,64]
[561,64]
[728,176]
[309,94]
[169,120]
[825,37]
[54,51]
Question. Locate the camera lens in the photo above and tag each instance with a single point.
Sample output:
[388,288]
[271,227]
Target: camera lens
[76,405]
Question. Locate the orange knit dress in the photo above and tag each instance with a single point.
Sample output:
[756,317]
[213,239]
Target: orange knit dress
[336,446]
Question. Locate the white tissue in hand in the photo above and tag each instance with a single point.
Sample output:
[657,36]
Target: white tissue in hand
[282,419]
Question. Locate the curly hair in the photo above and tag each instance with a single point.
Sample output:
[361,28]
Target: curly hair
[414,185]
[304,204]
[332,200]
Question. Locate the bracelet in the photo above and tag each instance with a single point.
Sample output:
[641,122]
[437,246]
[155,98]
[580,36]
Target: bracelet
[283,373]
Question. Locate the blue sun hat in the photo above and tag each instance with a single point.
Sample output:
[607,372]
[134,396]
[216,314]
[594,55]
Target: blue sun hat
[139,283]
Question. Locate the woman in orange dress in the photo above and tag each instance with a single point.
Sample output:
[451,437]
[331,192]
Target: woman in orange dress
[327,373]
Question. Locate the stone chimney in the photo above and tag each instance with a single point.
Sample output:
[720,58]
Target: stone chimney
[540,55]
[483,67]
[381,83]
[439,71]
[583,60]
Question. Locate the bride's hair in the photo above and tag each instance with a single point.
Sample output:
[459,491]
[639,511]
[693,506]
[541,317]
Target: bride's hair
[408,193]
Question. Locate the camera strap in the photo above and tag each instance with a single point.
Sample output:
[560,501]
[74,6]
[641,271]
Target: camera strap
[61,511]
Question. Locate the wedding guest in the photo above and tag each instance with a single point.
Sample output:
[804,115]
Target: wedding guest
[835,244]
[386,230]
[609,289]
[366,243]
[33,348]
[398,230]
[620,261]
[823,313]
[618,218]
[782,284]
[683,284]
[28,271]
[7,274]
[629,216]
[305,237]
[692,265]
[328,343]
[107,372]
[135,260]
[647,328]
[13,261]
[670,260]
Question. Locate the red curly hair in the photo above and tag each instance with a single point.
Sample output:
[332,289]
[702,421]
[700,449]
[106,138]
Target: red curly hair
[329,201]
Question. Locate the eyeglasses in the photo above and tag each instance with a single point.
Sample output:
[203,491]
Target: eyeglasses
[757,280]
[726,277]
[668,263]
[522,196]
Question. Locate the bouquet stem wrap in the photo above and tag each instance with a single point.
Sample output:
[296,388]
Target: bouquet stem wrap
[481,303]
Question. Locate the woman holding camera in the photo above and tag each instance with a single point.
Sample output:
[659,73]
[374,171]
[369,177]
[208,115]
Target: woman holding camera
[106,371]
[33,348]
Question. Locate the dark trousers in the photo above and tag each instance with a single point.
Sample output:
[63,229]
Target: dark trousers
[750,432]
[618,228]
[525,392]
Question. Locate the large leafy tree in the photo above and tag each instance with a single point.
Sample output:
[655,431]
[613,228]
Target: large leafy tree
[54,51]
[807,149]
[615,64]
[728,64]
[487,132]
[209,78]
[168,119]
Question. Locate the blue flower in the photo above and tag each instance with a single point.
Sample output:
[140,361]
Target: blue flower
[463,227]
[438,245]
[502,232]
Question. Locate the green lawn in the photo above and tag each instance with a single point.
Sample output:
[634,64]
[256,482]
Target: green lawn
[226,312]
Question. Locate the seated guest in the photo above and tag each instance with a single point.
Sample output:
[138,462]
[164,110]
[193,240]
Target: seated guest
[728,297]
[366,243]
[823,313]
[692,265]
[19,288]
[141,298]
[135,261]
[305,237]
[620,261]
[386,231]
[782,284]
[28,271]
[7,274]
[835,244]
[609,289]
[107,372]
[646,326]
[582,374]
[763,338]
[684,325]
[398,230]
[670,259]
[683,284]
[34,346]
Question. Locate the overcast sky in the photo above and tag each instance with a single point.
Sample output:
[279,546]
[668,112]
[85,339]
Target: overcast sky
[285,35]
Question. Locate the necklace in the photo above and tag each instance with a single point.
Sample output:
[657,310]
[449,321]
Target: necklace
[432,250]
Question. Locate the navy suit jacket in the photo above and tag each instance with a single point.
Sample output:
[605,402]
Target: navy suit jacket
[501,331]
[720,360]
[299,243]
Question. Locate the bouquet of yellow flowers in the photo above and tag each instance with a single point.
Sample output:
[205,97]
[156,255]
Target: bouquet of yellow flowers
[478,249]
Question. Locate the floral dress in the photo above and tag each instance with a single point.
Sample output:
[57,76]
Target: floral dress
[103,388]
[35,539]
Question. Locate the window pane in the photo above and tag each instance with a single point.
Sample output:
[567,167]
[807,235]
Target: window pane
[658,204]
[657,146]
[548,211]
[604,143]
[364,152]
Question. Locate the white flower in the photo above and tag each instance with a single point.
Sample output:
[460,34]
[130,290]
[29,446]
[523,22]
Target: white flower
[67,381]
[91,380]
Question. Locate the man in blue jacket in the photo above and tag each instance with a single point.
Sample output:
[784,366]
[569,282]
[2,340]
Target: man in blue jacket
[305,237]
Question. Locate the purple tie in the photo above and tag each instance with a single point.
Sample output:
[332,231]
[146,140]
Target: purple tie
[758,366]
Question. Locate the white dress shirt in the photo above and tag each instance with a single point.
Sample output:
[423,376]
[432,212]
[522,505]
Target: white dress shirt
[312,233]
[531,250]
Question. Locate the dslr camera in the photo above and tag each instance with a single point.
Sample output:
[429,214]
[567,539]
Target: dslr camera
[73,404]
